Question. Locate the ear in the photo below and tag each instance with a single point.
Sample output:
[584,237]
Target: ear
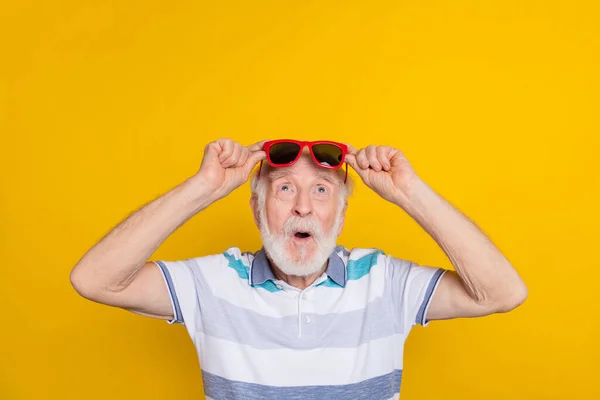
[343,218]
[254,206]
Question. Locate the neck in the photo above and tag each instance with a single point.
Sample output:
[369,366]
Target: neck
[300,282]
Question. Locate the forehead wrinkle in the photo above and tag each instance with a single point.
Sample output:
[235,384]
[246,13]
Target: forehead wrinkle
[277,173]
[330,177]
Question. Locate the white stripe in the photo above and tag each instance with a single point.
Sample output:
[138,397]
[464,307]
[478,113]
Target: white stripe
[285,367]
[355,296]
[227,285]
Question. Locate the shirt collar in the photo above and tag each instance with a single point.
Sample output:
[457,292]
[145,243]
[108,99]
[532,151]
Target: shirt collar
[261,271]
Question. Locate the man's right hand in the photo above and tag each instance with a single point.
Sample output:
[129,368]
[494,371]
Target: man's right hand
[227,165]
[116,271]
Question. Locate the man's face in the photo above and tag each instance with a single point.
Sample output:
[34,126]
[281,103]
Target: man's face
[304,216]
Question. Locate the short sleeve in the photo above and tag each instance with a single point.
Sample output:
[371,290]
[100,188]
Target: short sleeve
[185,283]
[169,269]
[412,288]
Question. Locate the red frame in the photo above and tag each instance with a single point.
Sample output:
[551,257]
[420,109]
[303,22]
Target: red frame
[267,146]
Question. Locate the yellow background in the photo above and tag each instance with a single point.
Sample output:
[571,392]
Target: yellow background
[105,105]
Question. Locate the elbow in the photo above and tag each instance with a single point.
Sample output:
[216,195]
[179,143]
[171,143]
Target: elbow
[83,283]
[513,299]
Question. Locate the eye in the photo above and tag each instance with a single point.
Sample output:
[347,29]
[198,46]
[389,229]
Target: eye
[285,188]
[321,189]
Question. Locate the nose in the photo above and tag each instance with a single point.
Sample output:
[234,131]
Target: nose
[302,206]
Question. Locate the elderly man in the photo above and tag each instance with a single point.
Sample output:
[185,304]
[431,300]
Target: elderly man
[302,318]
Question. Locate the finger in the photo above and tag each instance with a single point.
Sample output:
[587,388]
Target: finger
[352,161]
[253,158]
[226,149]
[257,146]
[372,157]
[361,159]
[234,158]
[351,150]
[383,156]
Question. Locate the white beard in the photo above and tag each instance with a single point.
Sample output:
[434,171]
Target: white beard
[275,244]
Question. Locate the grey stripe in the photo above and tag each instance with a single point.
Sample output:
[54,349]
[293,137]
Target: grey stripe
[379,388]
[224,320]
[432,284]
[172,293]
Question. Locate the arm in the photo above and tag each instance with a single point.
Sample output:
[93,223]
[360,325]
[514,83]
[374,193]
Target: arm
[484,282]
[116,272]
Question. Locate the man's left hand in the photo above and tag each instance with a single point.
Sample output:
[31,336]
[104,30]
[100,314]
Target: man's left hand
[385,170]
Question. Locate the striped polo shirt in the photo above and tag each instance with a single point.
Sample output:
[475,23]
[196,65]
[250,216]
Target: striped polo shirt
[258,337]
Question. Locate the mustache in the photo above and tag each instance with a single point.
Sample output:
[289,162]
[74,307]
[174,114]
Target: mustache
[303,224]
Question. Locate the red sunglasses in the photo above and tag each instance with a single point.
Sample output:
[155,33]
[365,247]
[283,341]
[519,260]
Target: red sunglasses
[285,152]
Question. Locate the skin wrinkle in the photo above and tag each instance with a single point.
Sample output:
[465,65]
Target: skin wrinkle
[485,282]
[257,183]
[476,292]
[323,218]
[283,172]
[480,294]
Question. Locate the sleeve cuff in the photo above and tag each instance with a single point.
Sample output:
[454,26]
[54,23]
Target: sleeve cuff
[178,315]
[433,284]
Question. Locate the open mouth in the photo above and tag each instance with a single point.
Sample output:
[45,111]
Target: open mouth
[302,235]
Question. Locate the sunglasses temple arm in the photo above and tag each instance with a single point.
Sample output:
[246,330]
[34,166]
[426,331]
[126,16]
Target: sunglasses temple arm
[346,177]
[259,168]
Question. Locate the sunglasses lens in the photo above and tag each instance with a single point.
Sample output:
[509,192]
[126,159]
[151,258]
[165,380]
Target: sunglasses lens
[283,153]
[328,153]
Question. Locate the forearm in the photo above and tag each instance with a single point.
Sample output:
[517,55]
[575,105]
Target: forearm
[113,261]
[486,274]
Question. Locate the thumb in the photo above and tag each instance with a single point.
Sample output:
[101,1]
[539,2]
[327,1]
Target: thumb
[258,145]
[351,160]
[253,159]
[351,150]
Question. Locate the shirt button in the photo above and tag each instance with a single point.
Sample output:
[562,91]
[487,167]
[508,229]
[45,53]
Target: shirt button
[307,320]
[304,296]
[278,286]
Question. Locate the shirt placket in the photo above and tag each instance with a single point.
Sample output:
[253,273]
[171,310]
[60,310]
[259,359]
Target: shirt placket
[301,298]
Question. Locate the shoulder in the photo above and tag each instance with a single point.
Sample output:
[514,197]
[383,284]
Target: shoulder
[356,253]
[234,255]
[233,259]
[360,262]
[362,255]
[230,255]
